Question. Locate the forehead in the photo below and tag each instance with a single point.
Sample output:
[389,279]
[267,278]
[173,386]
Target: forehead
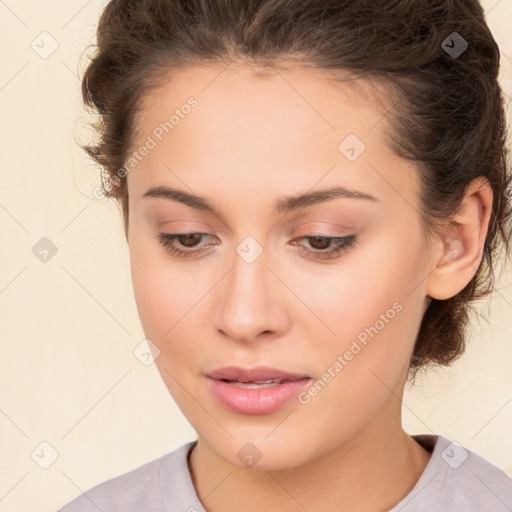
[252,127]
[236,97]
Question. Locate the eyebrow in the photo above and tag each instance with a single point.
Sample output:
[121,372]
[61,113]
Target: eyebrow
[286,204]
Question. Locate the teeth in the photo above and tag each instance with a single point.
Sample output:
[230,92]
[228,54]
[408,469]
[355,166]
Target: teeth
[255,385]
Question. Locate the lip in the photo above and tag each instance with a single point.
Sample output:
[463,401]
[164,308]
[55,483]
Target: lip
[256,401]
[239,374]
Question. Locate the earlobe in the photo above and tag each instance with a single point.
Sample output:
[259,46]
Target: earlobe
[460,251]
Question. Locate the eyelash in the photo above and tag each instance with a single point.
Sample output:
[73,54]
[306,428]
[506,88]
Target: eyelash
[342,244]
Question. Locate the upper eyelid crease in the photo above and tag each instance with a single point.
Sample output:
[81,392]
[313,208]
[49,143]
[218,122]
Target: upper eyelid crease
[287,204]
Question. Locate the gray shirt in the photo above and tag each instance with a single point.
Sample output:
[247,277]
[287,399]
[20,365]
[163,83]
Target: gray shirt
[455,480]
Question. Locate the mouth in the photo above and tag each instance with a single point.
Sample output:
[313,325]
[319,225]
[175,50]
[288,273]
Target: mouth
[262,376]
[260,390]
[258,384]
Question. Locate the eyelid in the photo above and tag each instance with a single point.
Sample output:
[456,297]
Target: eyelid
[184,225]
[341,244]
[325,229]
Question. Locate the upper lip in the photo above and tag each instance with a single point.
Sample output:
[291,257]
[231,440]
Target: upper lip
[238,374]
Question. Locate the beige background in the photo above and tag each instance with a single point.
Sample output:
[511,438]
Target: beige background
[69,326]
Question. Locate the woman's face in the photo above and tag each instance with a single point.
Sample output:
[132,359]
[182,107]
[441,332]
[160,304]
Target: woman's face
[255,290]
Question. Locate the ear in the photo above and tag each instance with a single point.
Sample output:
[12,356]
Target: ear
[460,248]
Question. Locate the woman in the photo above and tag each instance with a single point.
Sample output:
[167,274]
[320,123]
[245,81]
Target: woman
[314,193]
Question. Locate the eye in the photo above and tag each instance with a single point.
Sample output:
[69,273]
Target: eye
[168,240]
[326,247]
[329,246]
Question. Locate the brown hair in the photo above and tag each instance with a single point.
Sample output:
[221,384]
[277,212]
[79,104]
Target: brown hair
[449,114]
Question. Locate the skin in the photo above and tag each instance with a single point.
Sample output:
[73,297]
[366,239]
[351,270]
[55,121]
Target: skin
[254,139]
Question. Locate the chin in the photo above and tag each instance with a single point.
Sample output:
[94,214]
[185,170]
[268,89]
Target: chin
[261,453]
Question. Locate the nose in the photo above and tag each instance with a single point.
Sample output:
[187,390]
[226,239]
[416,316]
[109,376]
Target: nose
[252,301]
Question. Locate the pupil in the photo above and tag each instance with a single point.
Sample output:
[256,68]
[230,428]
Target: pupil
[322,240]
[188,238]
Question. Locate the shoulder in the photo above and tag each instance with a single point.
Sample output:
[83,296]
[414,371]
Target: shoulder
[136,490]
[478,484]
[457,478]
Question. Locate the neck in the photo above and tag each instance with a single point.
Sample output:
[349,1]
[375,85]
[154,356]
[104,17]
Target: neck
[371,471]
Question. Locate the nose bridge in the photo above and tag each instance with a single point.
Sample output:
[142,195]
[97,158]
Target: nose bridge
[248,304]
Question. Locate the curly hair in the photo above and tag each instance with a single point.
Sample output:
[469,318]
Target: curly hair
[448,116]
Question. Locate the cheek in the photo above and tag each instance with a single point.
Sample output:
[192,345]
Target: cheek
[148,287]
[166,301]
[374,306]
[376,319]
[170,299]
[350,296]
[160,289]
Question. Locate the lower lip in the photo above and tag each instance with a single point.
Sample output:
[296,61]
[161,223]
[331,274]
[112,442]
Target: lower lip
[256,401]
